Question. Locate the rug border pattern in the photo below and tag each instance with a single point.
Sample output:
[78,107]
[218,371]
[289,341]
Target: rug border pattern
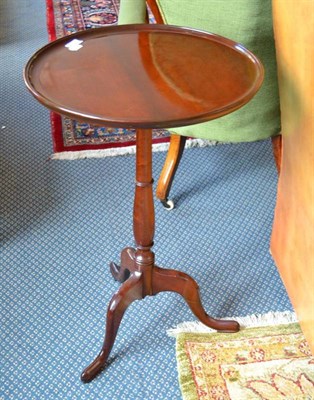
[60,125]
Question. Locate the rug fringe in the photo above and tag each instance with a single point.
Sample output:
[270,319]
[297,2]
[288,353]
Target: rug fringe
[256,320]
[123,151]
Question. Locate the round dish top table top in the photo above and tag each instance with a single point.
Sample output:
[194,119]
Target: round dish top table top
[143,76]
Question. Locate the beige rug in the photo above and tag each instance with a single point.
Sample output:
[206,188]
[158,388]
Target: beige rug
[267,362]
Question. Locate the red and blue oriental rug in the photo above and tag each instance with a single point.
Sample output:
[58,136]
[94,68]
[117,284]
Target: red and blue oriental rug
[73,139]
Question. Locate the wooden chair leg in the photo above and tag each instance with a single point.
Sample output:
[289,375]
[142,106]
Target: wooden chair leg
[171,164]
[277,150]
[155,11]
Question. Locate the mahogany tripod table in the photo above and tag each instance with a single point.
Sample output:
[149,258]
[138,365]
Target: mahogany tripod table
[169,76]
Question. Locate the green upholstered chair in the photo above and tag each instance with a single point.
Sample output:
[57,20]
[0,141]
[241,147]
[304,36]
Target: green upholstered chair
[248,22]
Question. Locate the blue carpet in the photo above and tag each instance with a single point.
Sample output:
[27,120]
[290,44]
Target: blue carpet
[63,221]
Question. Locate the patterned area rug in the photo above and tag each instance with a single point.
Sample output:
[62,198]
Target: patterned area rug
[63,18]
[269,362]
